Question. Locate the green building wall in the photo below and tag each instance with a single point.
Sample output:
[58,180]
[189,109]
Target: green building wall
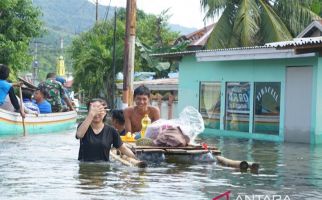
[317,109]
[274,70]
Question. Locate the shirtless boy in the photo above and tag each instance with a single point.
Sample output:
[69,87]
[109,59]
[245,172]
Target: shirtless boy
[134,114]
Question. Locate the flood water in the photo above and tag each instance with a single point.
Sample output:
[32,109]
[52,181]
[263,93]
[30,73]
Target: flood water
[46,167]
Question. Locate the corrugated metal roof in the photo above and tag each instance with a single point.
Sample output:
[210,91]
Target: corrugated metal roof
[295,42]
[174,54]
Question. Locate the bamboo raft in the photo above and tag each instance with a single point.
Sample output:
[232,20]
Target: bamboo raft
[191,153]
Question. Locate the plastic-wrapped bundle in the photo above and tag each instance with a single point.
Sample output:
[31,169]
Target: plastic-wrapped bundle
[190,122]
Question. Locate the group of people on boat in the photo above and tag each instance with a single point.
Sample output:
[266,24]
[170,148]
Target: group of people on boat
[50,95]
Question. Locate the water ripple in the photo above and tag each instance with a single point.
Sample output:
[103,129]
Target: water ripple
[46,167]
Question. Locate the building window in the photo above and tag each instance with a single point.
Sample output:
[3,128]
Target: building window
[237,106]
[267,107]
[209,104]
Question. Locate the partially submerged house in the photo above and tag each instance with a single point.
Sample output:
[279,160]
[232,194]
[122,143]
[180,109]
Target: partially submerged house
[271,92]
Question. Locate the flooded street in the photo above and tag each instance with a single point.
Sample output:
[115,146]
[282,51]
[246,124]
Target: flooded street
[46,167]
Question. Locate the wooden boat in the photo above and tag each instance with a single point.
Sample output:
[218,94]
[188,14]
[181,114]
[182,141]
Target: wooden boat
[11,122]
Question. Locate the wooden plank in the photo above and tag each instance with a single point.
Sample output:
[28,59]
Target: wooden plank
[159,147]
[150,150]
[197,151]
[216,152]
[176,151]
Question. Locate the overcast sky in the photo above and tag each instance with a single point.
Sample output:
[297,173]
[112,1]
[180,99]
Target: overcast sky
[183,12]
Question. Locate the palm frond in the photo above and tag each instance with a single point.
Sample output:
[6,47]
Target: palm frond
[272,26]
[222,33]
[246,23]
[213,8]
[295,14]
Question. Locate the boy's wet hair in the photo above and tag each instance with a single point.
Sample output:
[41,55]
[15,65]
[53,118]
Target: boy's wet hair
[43,91]
[118,116]
[142,90]
[27,94]
[4,72]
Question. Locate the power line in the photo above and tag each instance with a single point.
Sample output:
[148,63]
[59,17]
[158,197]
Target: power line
[107,11]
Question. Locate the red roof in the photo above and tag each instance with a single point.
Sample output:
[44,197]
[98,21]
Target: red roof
[197,39]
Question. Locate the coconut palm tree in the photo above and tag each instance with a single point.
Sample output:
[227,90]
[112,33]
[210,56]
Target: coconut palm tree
[256,22]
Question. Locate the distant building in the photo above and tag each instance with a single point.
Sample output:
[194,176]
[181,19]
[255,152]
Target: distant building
[197,39]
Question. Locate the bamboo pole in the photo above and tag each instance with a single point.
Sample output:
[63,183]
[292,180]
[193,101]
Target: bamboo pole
[242,165]
[127,160]
[253,167]
[22,111]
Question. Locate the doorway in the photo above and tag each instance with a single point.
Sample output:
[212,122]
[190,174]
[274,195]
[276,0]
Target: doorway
[298,104]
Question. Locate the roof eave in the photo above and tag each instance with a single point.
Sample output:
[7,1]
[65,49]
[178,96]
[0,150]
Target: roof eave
[313,24]
[249,54]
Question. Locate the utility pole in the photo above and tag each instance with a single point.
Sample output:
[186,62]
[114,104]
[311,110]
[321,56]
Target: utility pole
[129,53]
[114,60]
[96,10]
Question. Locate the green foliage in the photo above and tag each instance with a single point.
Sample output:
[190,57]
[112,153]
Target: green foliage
[69,18]
[316,7]
[255,22]
[19,23]
[92,52]
[160,41]
[62,19]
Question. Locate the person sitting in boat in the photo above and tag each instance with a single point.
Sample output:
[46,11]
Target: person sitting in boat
[6,88]
[134,114]
[7,105]
[40,98]
[63,81]
[96,138]
[118,121]
[55,93]
[27,101]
